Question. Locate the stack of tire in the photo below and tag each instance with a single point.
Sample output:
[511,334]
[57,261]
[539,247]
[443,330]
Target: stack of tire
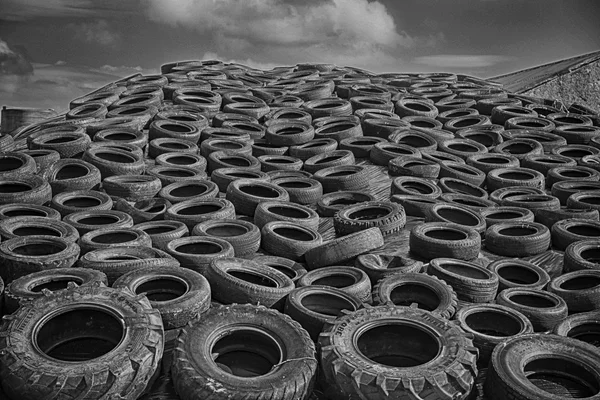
[307,232]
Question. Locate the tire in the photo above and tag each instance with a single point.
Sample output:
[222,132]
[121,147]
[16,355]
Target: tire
[419,141]
[548,140]
[21,256]
[162,232]
[576,151]
[510,177]
[329,159]
[496,215]
[381,266]
[490,325]
[344,178]
[279,162]
[314,306]
[240,281]
[439,156]
[197,252]
[331,203]
[132,187]
[575,173]
[246,194]
[350,280]
[169,175]
[502,113]
[489,161]
[122,135]
[305,191]
[516,273]
[111,162]
[410,107]
[338,130]
[543,309]
[179,294]
[571,360]
[67,144]
[383,152]
[417,290]
[312,148]
[517,239]
[192,212]
[520,148]
[109,237]
[28,188]
[584,200]
[462,172]
[573,230]
[578,134]
[15,164]
[551,217]
[444,374]
[43,158]
[88,110]
[244,236]
[228,159]
[182,191]
[579,289]
[456,214]
[165,128]
[414,205]
[35,226]
[27,210]
[269,211]
[117,261]
[360,146]
[288,239]
[260,147]
[286,133]
[415,167]
[81,200]
[533,202]
[223,177]
[291,269]
[382,127]
[582,327]
[488,138]
[447,240]
[195,372]
[473,203]
[500,195]
[471,282]
[344,249]
[86,221]
[152,209]
[408,185]
[387,216]
[462,148]
[582,255]
[72,174]
[193,161]
[157,147]
[134,326]
[563,190]
[458,186]
[40,284]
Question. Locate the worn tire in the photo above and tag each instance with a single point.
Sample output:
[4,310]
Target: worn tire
[351,280]
[444,212]
[26,188]
[290,268]
[417,290]
[179,294]
[110,237]
[471,282]
[573,230]
[152,209]
[580,289]
[86,221]
[543,309]
[288,239]
[36,226]
[516,273]
[192,212]
[584,327]
[132,187]
[140,331]
[344,249]
[197,252]
[389,217]
[331,203]
[381,266]
[447,240]
[582,256]
[517,239]
[40,284]
[81,200]
[351,367]
[344,178]
[517,176]
[244,236]
[162,232]
[196,375]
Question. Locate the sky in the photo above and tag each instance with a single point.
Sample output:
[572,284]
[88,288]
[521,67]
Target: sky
[74,46]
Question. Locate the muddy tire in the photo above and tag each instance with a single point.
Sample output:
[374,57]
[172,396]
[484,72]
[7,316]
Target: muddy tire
[287,356]
[354,368]
[179,294]
[129,329]
[426,292]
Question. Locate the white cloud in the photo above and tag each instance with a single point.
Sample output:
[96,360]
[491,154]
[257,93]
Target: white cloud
[4,49]
[461,61]
[97,32]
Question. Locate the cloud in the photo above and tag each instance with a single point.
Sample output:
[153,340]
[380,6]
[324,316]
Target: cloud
[461,61]
[18,10]
[96,32]
[13,62]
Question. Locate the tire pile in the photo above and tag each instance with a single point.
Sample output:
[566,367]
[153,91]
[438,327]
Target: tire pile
[307,232]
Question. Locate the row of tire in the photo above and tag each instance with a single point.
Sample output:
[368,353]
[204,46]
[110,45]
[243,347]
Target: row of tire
[175,185]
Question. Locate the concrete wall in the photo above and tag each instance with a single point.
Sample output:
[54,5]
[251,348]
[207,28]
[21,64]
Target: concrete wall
[581,86]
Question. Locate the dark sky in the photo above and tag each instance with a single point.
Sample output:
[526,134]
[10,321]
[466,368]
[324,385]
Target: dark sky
[118,37]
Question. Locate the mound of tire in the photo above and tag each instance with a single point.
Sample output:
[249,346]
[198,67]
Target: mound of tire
[217,231]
